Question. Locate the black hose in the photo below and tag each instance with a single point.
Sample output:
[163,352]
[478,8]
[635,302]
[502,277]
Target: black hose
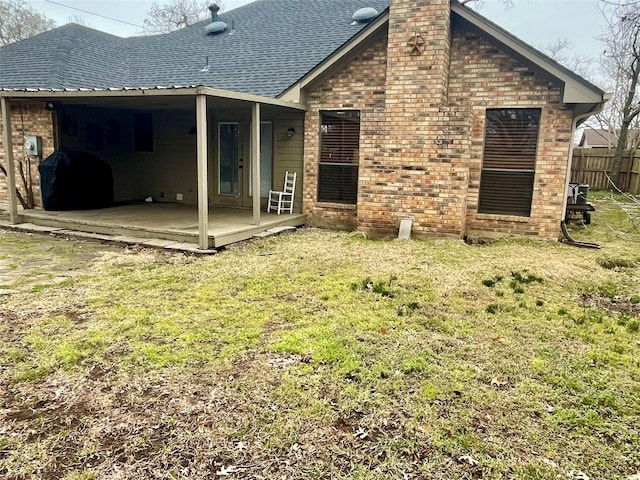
[570,241]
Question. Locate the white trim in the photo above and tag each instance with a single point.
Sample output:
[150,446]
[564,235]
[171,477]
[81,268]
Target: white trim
[255,161]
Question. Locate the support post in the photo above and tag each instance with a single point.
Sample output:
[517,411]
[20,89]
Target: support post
[10,165]
[255,161]
[203,175]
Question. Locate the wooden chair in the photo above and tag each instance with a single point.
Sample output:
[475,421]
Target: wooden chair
[282,201]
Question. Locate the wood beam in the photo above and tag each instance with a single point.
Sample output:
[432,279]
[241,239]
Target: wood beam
[203,175]
[255,161]
[53,95]
[9,162]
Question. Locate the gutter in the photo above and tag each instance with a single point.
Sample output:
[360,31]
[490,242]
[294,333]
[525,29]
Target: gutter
[574,124]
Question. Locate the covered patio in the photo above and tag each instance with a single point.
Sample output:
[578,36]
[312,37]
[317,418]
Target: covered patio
[190,162]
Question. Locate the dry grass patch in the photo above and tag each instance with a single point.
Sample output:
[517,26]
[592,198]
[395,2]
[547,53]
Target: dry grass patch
[324,355]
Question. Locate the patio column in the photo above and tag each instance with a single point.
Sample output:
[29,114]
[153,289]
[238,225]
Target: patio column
[203,175]
[255,161]
[8,155]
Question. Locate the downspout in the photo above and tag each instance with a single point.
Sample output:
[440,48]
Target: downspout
[574,124]
[597,109]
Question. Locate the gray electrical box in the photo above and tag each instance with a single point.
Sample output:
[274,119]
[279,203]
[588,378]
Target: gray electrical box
[33,145]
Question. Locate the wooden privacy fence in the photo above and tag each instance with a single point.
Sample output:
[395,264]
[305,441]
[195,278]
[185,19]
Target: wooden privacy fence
[591,166]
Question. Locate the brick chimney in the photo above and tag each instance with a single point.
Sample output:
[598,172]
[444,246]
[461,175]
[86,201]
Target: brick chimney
[418,52]
[416,169]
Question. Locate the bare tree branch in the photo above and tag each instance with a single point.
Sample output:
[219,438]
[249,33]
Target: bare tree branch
[621,62]
[18,20]
[479,3]
[560,51]
[175,15]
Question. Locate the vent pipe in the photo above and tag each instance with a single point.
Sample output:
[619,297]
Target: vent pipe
[213,8]
[216,26]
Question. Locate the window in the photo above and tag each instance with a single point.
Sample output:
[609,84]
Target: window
[508,167]
[339,155]
[143,132]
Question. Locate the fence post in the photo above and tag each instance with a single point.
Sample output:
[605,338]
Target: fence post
[634,182]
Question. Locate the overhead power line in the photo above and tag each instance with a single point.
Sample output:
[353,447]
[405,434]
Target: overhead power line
[95,14]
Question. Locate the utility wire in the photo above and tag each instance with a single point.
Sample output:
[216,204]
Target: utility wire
[96,14]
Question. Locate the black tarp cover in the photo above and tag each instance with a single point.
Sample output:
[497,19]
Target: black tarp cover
[71,180]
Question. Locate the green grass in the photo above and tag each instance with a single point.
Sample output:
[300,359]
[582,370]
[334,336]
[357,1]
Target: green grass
[367,360]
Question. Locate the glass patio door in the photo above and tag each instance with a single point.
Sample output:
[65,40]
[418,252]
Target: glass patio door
[230,164]
[266,149]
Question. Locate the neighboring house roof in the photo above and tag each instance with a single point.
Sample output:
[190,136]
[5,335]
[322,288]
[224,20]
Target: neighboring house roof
[275,43]
[602,138]
[598,138]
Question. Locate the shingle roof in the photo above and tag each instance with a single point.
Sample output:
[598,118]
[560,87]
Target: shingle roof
[275,43]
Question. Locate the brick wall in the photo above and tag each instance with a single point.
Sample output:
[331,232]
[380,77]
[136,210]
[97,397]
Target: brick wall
[357,86]
[28,118]
[422,130]
[482,76]
[420,170]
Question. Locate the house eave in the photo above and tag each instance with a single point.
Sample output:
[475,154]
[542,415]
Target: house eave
[140,92]
[576,89]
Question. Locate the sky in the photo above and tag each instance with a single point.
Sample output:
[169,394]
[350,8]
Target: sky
[538,22]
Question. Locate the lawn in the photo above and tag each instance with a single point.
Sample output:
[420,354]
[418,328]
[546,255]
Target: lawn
[324,355]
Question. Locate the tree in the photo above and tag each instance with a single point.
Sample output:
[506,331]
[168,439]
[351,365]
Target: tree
[622,64]
[507,3]
[18,21]
[175,15]
[80,20]
[559,50]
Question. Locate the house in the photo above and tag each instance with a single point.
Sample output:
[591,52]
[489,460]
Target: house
[386,109]
[601,138]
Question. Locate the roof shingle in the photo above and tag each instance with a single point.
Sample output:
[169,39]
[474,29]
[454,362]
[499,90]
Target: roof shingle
[275,42]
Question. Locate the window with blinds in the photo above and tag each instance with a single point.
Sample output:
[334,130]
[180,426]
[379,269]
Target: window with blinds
[508,167]
[339,156]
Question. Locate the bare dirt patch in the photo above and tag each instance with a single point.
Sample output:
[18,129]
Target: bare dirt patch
[618,303]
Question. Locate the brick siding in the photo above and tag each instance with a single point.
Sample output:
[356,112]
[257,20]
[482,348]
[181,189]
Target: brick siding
[482,76]
[422,130]
[357,86]
[27,119]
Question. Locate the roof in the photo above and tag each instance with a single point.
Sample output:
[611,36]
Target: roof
[275,43]
[593,137]
[272,48]
[602,138]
